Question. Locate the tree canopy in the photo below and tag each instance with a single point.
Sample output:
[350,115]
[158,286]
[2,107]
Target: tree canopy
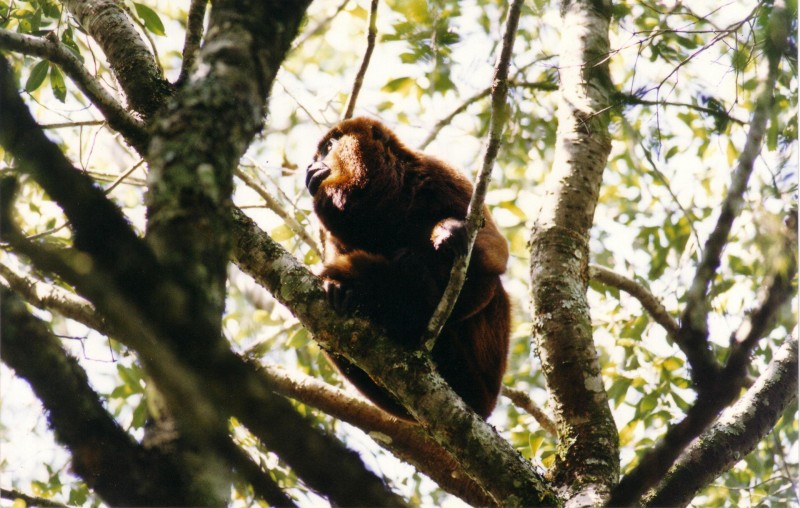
[164,334]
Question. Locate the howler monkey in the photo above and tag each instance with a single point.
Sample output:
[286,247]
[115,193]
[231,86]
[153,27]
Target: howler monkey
[393,220]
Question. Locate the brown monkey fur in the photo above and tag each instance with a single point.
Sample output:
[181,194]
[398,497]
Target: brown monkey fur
[393,220]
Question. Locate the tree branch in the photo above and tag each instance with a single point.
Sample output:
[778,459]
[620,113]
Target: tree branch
[636,290]
[693,335]
[406,441]
[13,495]
[475,210]
[359,80]
[736,433]
[53,299]
[110,462]
[128,55]
[587,463]
[51,49]
[510,480]
[192,38]
[521,399]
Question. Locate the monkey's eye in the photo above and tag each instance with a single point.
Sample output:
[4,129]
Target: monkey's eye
[330,145]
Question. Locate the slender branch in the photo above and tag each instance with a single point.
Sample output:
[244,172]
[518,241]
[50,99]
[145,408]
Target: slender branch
[475,209]
[193,36]
[444,122]
[320,27]
[736,433]
[716,113]
[276,207]
[775,292]
[359,81]
[51,49]
[636,290]
[521,399]
[693,335]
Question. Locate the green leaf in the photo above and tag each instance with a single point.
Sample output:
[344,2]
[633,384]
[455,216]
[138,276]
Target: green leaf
[150,19]
[281,233]
[57,84]
[36,78]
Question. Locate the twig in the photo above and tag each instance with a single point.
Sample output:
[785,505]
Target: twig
[273,205]
[693,335]
[13,495]
[636,290]
[717,113]
[521,399]
[320,26]
[359,81]
[475,209]
[194,33]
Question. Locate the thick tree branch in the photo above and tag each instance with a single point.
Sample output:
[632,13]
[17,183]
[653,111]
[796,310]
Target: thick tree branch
[128,55]
[509,479]
[110,462]
[475,210]
[51,49]
[587,465]
[736,433]
[147,307]
[636,290]
[693,335]
[359,80]
[194,150]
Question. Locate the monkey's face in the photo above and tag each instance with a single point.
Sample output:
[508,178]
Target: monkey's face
[353,163]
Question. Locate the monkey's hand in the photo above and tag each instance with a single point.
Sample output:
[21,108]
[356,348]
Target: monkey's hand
[450,236]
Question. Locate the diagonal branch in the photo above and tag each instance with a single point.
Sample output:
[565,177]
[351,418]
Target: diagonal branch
[406,441]
[485,456]
[475,209]
[359,81]
[107,458]
[736,433]
[693,335]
